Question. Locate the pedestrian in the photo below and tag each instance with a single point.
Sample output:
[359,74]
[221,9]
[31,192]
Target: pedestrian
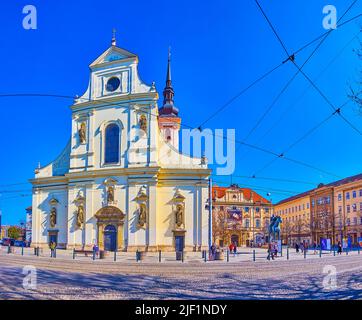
[296,247]
[339,247]
[270,251]
[235,249]
[315,247]
[301,247]
[52,248]
[231,247]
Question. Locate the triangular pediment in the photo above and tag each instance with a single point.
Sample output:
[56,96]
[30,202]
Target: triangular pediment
[113,54]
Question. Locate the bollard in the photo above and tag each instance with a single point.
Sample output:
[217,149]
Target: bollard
[34,251]
[358,249]
[159,256]
[205,256]
[115,255]
[287,253]
[227,255]
[182,256]
[346,251]
[305,254]
[320,253]
[281,250]
[137,256]
[51,253]
[9,248]
[22,250]
[73,253]
[37,251]
[94,254]
[334,251]
[254,255]
[55,252]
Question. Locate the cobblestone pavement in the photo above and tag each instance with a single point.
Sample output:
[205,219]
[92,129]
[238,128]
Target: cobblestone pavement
[64,278]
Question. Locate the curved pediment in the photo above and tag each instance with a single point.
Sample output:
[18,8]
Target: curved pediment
[110,213]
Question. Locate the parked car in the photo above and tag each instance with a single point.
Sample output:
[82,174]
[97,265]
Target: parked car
[8,241]
[19,243]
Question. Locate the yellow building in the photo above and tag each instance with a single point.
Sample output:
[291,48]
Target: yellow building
[295,213]
[240,216]
[348,208]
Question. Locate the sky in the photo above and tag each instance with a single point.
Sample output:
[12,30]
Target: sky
[218,49]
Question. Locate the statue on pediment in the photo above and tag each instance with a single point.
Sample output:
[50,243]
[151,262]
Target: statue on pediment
[80,215]
[110,194]
[143,123]
[53,217]
[142,215]
[81,132]
[179,215]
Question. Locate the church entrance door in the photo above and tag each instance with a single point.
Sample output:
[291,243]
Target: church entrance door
[110,238]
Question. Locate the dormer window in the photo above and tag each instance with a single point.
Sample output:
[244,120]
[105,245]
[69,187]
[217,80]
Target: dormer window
[113,84]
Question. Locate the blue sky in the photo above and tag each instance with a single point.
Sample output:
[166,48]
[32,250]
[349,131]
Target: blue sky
[218,48]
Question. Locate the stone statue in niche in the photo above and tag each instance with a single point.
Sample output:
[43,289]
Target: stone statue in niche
[81,132]
[143,123]
[142,215]
[80,215]
[110,194]
[179,215]
[53,217]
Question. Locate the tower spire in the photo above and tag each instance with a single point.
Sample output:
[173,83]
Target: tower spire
[113,37]
[168,108]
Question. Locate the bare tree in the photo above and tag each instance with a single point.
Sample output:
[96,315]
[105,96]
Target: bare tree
[287,229]
[219,225]
[301,226]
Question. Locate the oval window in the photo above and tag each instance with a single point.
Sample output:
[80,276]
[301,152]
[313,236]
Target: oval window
[113,84]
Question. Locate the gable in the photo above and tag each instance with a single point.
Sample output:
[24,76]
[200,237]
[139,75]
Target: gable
[113,54]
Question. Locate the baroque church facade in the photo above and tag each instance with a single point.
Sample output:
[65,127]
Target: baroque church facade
[121,182]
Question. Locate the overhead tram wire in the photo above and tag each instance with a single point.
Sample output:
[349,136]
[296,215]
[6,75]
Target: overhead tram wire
[291,57]
[300,68]
[305,91]
[294,103]
[272,70]
[335,110]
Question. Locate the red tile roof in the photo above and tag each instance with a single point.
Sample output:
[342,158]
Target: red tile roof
[219,192]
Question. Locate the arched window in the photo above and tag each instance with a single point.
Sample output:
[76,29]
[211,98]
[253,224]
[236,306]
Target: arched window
[112,144]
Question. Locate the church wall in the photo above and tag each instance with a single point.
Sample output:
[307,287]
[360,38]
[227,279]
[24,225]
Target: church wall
[41,215]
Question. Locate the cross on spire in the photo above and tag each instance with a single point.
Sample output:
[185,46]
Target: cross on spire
[113,37]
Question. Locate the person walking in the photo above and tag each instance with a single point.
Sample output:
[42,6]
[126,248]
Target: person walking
[231,247]
[296,247]
[235,249]
[270,251]
[339,247]
[301,247]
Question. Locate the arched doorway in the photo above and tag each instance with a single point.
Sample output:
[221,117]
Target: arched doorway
[235,239]
[110,222]
[110,238]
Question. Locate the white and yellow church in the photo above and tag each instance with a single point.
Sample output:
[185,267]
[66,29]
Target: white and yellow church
[121,182]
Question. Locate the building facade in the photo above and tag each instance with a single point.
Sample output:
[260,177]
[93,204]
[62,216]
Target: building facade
[332,211]
[348,210]
[240,216]
[121,182]
[295,213]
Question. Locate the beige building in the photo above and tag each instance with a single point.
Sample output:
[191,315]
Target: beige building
[331,211]
[240,215]
[295,213]
[348,209]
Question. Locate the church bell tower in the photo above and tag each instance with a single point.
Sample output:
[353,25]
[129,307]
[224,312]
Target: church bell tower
[168,121]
